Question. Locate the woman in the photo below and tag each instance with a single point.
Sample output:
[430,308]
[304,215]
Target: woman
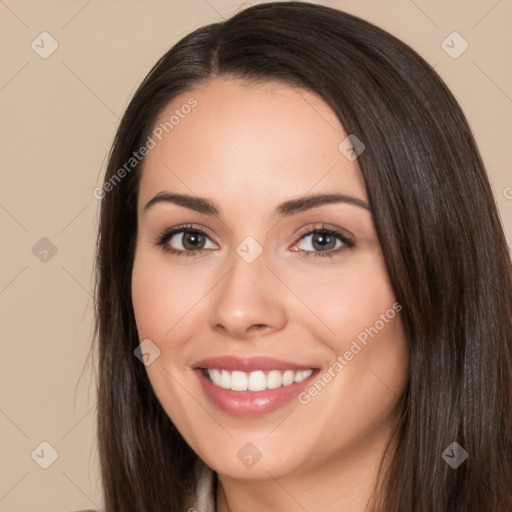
[304,293]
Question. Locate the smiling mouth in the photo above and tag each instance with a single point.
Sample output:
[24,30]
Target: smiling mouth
[255,381]
[251,387]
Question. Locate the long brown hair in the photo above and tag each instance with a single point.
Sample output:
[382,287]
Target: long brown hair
[440,233]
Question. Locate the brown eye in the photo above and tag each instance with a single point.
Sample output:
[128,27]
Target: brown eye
[192,240]
[323,241]
[184,241]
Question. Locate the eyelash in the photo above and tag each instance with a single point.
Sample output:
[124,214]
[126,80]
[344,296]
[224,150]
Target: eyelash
[167,234]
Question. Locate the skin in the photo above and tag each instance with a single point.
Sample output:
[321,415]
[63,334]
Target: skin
[249,148]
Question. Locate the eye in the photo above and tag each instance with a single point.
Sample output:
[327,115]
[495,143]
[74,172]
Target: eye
[322,242]
[184,241]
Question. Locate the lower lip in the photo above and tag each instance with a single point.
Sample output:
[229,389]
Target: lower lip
[250,404]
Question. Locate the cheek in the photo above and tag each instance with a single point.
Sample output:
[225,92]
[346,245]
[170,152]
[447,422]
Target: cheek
[357,318]
[343,303]
[162,296]
[161,299]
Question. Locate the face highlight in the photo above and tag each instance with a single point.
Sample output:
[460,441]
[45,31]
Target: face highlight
[257,269]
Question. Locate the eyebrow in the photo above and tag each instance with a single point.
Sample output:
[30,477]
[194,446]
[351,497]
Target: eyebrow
[285,209]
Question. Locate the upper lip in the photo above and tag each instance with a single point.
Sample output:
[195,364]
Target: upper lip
[249,364]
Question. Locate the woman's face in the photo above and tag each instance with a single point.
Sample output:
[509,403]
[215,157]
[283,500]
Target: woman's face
[266,285]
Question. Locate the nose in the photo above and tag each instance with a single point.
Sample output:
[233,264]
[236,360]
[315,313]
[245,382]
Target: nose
[249,301]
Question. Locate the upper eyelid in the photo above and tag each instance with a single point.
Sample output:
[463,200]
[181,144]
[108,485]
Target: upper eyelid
[324,227]
[179,229]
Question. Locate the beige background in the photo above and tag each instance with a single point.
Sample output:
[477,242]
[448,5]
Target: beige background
[58,117]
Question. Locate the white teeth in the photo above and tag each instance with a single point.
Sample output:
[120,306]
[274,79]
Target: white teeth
[300,376]
[274,379]
[256,381]
[288,377]
[239,381]
[225,380]
[215,374]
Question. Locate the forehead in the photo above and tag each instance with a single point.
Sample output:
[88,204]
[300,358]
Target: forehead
[255,143]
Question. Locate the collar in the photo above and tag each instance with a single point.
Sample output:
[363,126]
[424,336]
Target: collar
[204,500]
